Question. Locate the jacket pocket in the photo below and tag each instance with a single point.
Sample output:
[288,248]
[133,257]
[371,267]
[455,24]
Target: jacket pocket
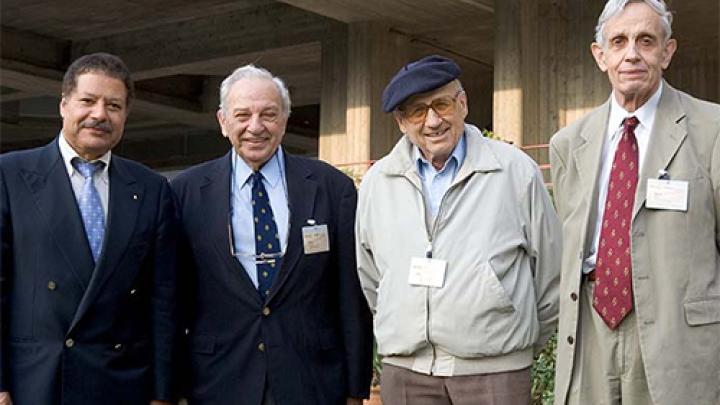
[203,344]
[702,311]
[495,287]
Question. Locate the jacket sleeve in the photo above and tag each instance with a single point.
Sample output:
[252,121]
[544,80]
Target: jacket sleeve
[185,292]
[164,298]
[6,263]
[367,271]
[356,319]
[557,171]
[545,242]
[715,178]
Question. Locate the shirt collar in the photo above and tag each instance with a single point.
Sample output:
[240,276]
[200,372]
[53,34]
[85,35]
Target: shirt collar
[273,170]
[645,114]
[458,155]
[68,154]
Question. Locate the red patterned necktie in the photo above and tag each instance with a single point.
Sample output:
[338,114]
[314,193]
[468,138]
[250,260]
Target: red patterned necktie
[613,297]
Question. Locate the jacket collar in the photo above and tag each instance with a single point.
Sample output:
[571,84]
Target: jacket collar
[479,157]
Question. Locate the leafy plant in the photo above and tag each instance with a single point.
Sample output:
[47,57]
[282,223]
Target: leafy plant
[543,374]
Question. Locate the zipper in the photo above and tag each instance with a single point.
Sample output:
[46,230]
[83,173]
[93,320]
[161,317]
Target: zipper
[429,254]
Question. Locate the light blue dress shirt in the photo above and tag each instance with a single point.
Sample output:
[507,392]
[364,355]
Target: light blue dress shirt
[243,228]
[437,182]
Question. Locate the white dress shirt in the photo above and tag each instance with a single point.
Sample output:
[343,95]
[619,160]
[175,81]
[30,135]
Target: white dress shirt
[646,115]
[243,226]
[101,178]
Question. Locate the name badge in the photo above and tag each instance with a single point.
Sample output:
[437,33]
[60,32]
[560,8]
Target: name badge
[315,239]
[427,272]
[667,194]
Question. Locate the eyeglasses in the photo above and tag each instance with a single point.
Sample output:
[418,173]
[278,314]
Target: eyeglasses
[443,106]
[261,258]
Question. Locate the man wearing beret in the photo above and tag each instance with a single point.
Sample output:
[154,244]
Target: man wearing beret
[458,251]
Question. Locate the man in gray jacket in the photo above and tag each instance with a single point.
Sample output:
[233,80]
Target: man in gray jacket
[458,251]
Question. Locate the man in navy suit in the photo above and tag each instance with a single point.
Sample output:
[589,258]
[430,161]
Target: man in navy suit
[275,313]
[87,283]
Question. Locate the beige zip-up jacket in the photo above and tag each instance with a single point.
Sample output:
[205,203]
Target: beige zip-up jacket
[496,229]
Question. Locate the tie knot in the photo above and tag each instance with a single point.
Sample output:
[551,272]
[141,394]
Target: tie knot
[87,169]
[630,123]
[257,178]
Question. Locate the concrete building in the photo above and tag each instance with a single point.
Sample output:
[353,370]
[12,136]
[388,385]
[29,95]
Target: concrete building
[526,65]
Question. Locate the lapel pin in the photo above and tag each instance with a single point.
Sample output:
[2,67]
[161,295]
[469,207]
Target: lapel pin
[135,196]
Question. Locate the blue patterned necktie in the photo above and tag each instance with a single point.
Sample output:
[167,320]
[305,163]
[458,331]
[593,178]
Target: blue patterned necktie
[267,241]
[90,206]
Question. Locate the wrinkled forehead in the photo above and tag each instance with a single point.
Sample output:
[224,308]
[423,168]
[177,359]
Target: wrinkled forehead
[98,83]
[256,92]
[634,19]
[448,90]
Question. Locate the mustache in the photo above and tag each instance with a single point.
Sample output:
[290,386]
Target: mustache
[97,124]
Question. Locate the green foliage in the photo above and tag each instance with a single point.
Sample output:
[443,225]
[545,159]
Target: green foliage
[490,134]
[543,374]
[377,364]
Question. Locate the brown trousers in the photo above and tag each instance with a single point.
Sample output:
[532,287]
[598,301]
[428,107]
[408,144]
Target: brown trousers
[401,386]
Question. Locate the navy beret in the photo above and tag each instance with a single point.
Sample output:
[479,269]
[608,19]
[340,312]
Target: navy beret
[420,76]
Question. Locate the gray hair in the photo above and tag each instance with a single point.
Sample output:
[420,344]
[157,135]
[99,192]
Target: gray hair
[253,72]
[615,7]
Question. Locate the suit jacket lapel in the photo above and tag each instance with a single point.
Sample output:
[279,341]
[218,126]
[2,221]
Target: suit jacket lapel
[301,198]
[587,157]
[666,137]
[50,184]
[216,191]
[124,203]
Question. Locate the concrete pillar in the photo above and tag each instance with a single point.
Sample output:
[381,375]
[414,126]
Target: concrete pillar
[544,76]
[374,54]
[333,97]
[507,75]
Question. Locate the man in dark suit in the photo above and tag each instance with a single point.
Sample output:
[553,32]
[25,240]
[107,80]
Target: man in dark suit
[87,283]
[275,314]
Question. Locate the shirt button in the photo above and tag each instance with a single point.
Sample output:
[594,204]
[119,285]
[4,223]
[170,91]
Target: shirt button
[266,311]
[570,340]
[52,285]
[573,296]
[261,347]
[118,346]
[69,343]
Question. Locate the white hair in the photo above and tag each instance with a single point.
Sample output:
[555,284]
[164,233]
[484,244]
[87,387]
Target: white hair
[253,72]
[615,7]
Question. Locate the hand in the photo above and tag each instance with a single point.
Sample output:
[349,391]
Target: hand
[5,398]
[354,401]
[153,402]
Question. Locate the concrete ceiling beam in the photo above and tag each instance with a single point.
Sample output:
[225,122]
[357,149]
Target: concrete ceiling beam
[43,81]
[189,45]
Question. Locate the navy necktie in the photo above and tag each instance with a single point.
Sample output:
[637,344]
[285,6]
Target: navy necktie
[267,240]
[90,205]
